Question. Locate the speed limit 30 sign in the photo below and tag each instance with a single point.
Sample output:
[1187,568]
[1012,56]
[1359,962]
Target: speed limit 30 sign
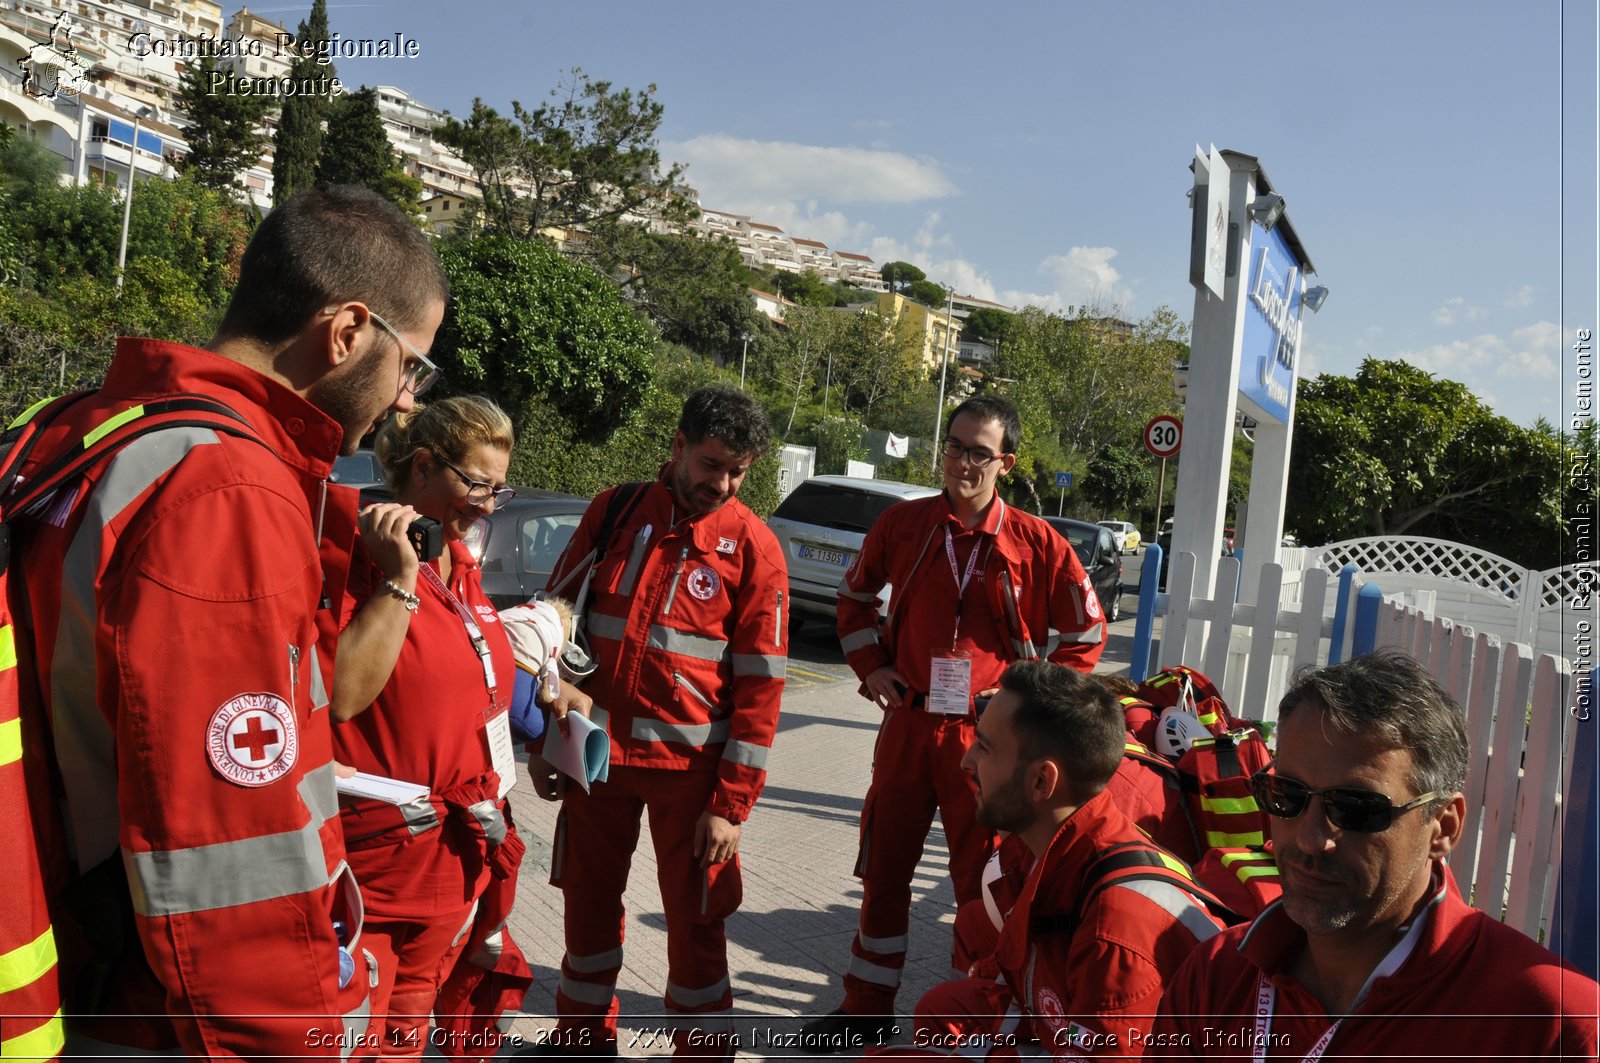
[1163,436]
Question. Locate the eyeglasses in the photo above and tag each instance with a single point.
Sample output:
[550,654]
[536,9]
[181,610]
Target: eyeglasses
[981,459]
[479,492]
[1347,807]
[415,377]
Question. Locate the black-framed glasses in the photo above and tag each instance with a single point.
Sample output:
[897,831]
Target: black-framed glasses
[479,492]
[980,458]
[1347,807]
[415,377]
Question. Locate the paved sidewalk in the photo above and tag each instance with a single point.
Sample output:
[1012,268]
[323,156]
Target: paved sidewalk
[790,941]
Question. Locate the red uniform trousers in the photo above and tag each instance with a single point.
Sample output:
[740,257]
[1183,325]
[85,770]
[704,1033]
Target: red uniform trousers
[413,959]
[916,768]
[595,838]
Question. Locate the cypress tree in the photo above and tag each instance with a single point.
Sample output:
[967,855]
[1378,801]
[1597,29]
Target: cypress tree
[223,127]
[356,151]
[299,138]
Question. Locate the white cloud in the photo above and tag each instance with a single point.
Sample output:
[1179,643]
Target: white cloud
[1522,297]
[760,175]
[1084,276]
[1512,374]
[1456,309]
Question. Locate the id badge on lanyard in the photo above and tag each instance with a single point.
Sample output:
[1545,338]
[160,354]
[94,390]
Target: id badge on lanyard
[497,717]
[950,675]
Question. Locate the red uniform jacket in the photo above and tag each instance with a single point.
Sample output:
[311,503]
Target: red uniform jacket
[428,726]
[1028,596]
[1086,990]
[174,600]
[1470,988]
[686,622]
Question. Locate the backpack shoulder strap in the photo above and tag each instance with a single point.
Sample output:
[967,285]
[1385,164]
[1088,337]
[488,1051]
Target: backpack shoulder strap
[619,508]
[1125,864]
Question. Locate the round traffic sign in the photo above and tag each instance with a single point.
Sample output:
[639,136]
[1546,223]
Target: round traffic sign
[1163,436]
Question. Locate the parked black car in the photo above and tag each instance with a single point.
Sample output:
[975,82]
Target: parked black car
[519,543]
[1097,550]
[1164,540]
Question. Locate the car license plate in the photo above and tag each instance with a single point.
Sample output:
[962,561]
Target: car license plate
[832,557]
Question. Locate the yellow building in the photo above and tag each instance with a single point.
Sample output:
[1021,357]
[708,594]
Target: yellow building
[940,332]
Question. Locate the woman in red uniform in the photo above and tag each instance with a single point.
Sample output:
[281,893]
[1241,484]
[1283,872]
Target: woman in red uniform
[422,683]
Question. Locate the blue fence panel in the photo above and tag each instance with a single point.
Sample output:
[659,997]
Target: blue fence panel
[1144,624]
[1341,614]
[1577,916]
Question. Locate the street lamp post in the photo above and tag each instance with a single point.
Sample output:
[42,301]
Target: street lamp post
[127,203]
[745,336]
[944,367]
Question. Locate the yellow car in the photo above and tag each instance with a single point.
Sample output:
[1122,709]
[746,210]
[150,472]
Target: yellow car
[1125,535]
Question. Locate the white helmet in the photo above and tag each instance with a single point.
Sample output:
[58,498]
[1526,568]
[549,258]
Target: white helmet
[1176,731]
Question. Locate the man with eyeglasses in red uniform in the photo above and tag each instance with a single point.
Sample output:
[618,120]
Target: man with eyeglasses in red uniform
[977,584]
[1372,953]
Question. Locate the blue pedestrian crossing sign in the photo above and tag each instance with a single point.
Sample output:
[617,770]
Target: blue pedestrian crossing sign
[1063,480]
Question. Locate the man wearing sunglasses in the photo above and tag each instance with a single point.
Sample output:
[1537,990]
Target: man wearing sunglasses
[176,593]
[977,585]
[1372,951]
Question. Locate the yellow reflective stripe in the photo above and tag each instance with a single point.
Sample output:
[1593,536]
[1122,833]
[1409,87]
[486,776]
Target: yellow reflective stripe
[8,648]
[1229,806]
[1245,874]
[1174,864]
[26,964]
[111,424]
[1229,859]
[1218,840]
[1200,743]
[43,1042]
[27,415]
[1209,718]
[10,742]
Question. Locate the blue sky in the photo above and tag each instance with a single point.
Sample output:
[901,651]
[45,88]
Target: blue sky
[1038,152]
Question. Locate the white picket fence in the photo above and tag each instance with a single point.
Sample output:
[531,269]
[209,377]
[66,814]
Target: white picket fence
[1516,703]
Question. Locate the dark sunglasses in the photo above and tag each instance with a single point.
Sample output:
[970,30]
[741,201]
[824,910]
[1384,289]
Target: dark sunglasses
[1348,808]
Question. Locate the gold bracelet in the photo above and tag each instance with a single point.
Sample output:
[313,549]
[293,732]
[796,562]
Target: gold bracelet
[409,600]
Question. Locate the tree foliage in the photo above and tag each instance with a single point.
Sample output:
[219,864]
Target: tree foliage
[807,288]
[587,158]
[357,152]
[695,290]
[526,324]
[1395,450]
[223,128]
[899,276]
[298,141]
[989,324]
[1118,479]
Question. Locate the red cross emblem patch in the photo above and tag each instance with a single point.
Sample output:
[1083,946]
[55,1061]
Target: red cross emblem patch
[252,740]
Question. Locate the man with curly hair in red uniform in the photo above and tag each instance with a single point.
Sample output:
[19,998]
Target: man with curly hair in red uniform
[176,595]
[1372,953]
[977,585]
[686,622]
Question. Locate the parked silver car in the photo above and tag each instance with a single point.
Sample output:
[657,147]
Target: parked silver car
[821,526]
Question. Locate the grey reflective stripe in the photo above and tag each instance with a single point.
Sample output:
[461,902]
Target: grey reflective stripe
[696,734]
[686,645]
[319,689]
[609,960]
[319,790]
[859,640]
[487,954]
[1024,649]
[356,1021]
[883,946]
[868,971]
[856,596]
[769,665]
[84,743]
[490,819]
[605,626]
[1178,903]
[600,718]
[747,753]
[228,874]
[1093,634]
[697,998]
[419,814]
[1052,643]
[705,1021]
[635,557]
[598,996]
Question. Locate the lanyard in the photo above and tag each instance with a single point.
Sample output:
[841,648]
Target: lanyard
[479,643]
[962,579]
[1267,994]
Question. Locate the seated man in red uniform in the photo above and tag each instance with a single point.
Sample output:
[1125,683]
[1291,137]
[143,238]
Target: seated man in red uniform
[1085,950]
[1372,953]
